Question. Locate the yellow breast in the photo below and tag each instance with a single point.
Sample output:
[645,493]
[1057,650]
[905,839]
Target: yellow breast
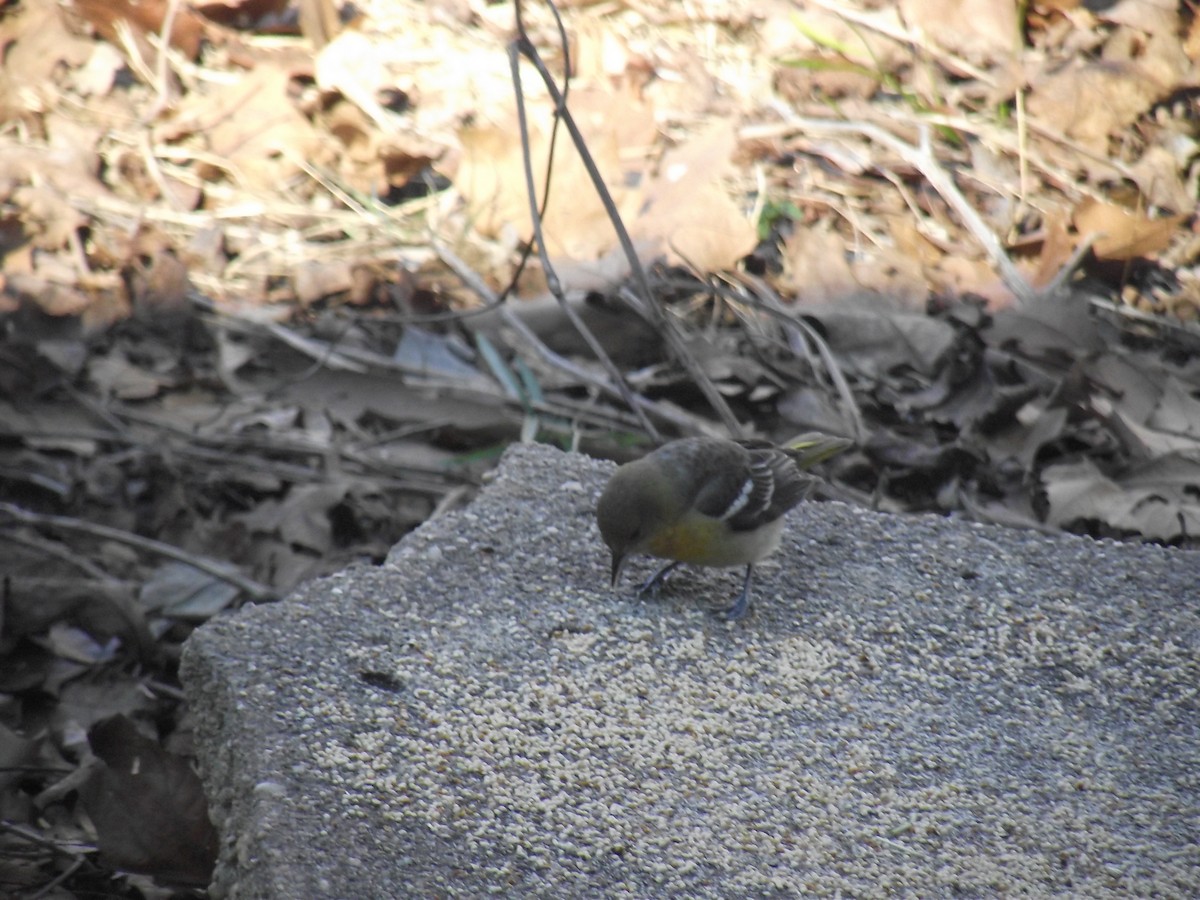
[705,541]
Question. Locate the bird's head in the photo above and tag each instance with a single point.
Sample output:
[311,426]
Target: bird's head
[635,506]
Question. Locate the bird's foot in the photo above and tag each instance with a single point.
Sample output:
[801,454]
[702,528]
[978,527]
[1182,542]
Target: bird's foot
[742,604]
[735,612]
[653,585]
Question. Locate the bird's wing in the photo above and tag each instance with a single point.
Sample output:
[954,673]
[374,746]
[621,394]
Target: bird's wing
[764,483]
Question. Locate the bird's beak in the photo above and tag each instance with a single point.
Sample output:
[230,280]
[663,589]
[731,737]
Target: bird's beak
[618,563]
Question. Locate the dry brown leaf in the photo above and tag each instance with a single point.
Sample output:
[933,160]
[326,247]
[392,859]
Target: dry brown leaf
[1056,248]
[448,73]
[1045,6]
[68,166]
[798,83]
[688,213]
[958,276]
[319,21]
[890,274]
[1177,411]
[1158,58]
[871,342]
[404,156]
[1191,44]
[980,31]
[491,176]
[115,376]
[1155,500]
[144,16]
[1126,234]
[97,76]
[148,806]
[1126,419]
[601,54]
[1150,16]
[158,282]
[684,82]
[702,228]
[820,53]
[1087,101]
[910,240]
[303,518]
[36,43]
[357,67]
[789,33]
[815,267]
[49,219]
[316,279]
[374,161]
[54,299]
[254,125]
[1158,176]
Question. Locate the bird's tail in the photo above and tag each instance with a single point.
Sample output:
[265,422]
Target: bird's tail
[815,447]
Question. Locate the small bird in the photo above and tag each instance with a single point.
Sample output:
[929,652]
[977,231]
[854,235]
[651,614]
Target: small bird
[708,502]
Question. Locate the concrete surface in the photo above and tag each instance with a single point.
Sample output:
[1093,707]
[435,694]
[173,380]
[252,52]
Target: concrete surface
[914,707]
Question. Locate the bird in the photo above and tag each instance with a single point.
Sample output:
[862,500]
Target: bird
[708,501]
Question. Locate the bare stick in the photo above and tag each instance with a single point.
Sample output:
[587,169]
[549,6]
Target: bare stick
[922,159]
[523,46]
[219,570]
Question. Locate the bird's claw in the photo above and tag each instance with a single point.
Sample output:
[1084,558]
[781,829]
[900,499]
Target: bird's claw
[742,604]
[735,612]
[652,586]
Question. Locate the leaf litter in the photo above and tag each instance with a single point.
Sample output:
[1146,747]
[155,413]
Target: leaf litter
[266,307]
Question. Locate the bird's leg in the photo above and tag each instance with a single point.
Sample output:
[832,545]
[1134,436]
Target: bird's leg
[742,603]
[655,581]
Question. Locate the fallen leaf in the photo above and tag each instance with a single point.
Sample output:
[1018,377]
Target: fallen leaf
[491,176]
[1087,101]
[97,76]
[182,591]
[254,125]
[318,279]
[115,376]
[356,66]
[816,271]
[1156,500]
[1158,175]
[148,806]
[1178,409]
[303,518]
[687,215]
[18,755]
[873,343]
[144,16]
[57,300]
[980,31]
[35,43]
[1124,234]
[1150,16]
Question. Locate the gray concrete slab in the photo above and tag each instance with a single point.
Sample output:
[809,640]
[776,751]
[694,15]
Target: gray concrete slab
[915,706]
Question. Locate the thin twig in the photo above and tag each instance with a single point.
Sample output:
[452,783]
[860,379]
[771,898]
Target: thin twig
[161,83]
[921,158]
[219,570]
[78,859]
[644,296]
[1059,281]
[877,22]
[524,47]
[773,306]
[683,421]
